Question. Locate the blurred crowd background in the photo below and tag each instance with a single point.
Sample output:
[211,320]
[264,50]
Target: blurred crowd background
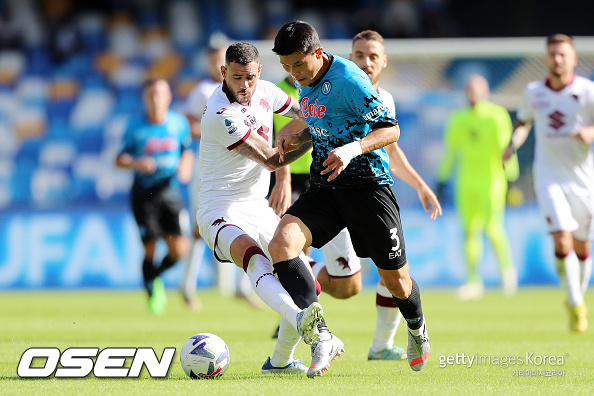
[71,74]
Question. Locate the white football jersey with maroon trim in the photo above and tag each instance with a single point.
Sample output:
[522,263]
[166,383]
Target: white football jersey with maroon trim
[226,177]
[559,157]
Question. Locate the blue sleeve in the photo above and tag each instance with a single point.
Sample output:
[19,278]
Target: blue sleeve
[362,98]
[186,136]
[127,146]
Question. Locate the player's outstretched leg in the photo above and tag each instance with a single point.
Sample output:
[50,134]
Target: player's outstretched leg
[418,339]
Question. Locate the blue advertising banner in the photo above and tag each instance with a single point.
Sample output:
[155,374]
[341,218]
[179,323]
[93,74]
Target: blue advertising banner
[99,248]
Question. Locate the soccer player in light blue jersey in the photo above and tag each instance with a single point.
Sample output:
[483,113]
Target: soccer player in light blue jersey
[156,145]
[349,125]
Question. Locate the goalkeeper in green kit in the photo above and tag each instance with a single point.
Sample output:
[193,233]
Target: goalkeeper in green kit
[475,139]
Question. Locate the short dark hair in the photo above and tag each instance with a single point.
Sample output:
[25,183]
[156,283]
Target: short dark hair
[242,53]
[296,36]
[559,38]
[369,35]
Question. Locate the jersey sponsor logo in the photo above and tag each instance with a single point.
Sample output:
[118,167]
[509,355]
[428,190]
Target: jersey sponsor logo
[312,109]
[556,120]
[230,127]
[264,103]
[375,113]
[156,145]
[318,131]
[220,111]
[250,121]
[109,363]
[326,87]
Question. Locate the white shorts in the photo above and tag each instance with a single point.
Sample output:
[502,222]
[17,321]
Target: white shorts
[339,254]
[255,219]
[566,212]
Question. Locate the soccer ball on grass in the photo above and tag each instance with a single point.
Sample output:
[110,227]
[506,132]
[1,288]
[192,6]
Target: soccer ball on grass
[205,356]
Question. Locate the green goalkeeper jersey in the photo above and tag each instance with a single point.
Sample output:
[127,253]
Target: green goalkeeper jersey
[475,139]
[302,164]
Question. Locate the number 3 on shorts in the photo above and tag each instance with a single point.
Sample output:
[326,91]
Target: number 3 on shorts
[394,232]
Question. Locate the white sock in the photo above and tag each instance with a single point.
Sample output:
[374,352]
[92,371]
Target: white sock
[569,274]
[226,278]
[193,266]
[585,273]
[388,319]
[245,285]
[270,290]
[317,267]
[287,341]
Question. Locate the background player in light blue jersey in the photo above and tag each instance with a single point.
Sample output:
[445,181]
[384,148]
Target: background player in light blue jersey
[156,145]
[349,125]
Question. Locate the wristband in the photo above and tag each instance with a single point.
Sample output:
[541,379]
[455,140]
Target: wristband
[349,151]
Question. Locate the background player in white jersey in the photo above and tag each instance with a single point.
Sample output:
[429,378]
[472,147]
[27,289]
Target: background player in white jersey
[233,214]
[227,276]
[562,109]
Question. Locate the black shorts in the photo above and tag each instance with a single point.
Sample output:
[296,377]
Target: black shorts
[159,212]
[299,184]
[370,214]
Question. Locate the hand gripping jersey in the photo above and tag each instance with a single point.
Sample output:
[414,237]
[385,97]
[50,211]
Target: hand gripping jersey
[226,177]
[340,107]
[163,142]
[560,158]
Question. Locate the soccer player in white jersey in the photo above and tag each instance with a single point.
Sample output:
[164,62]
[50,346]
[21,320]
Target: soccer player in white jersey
[233,214]
[226,275]
[562,109]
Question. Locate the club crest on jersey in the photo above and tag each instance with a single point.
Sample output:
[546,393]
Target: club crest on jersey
[326,87]
[230,127]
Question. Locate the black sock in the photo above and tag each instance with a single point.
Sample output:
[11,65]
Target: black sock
[297,281]
[148,274]
[166,263]
[411,307]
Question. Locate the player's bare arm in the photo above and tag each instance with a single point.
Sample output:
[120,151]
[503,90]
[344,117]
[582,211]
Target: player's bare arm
[339,158]
[258,150]
[519,135]
[585,134]
[290,142]
[184,169]
[144,165]
[280,195]
[402,169]
[294,111]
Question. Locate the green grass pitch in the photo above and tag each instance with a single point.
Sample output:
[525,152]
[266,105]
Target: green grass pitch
[532,322]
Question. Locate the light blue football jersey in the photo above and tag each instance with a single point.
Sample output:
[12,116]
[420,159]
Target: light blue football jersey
[340,107]
[163,142]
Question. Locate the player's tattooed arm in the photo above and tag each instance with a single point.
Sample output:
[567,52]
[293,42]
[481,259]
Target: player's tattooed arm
[295,112]
[257,149]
